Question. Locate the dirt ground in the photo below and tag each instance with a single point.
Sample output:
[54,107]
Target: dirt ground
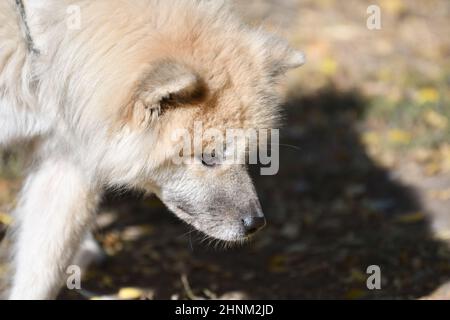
[364,175]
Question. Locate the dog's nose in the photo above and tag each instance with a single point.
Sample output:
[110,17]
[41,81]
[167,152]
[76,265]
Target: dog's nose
[253,224]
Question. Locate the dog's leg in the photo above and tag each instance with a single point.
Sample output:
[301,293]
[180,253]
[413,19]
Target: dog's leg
[54,213]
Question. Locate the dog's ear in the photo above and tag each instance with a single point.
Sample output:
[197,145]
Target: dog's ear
[294,59]
[281,57]
[165,84]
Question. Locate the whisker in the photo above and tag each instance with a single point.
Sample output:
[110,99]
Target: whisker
[288,145]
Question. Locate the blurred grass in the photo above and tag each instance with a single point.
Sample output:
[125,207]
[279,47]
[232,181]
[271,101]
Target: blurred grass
[425,118]
[402,70]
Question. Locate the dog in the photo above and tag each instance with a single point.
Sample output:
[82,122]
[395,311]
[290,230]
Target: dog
[99,87]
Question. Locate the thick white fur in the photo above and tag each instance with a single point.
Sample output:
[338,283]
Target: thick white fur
[49,226]
[69,100]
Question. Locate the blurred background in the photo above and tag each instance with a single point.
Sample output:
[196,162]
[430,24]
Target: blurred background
[364,175]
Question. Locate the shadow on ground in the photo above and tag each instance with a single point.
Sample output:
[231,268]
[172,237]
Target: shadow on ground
[332,212]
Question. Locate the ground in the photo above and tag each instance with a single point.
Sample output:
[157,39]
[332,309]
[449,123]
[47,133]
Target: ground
[364,175]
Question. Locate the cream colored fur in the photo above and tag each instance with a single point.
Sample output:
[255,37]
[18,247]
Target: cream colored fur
[102,101]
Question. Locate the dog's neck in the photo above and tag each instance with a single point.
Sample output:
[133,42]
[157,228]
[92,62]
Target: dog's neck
[26,30]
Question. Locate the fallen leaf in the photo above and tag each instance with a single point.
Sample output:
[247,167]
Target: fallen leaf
[422,154]
[427,95]
[436,120]
[355,294]
[410,218]
[357,276]
[442,195]
[277,263]
[398,136]
[444,151]
[235,295]
[3,269]
[328,66]
[130,293]
[443,235]
[5,218]
[103,298]
[432,168]
[133,233]
[394,7]
[371,138]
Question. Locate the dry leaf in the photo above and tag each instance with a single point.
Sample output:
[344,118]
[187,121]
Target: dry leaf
[443,235]
[329,66]
[355,294]
[277,263]
[103,298]
[442,195]
[5,218]
[410,218]
[371,138]
[130,293]
[432,168]
[398,136]
[357,276]
[394,7]
[427,95]
[436,120]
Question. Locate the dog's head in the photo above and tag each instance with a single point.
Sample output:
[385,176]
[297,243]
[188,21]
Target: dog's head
[201,173]
[162,70]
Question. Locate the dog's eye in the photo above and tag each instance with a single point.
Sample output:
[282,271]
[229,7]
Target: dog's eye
[210,160]
[208,164]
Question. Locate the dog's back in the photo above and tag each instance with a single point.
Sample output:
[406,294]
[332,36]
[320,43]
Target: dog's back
[16,100]
[10,37]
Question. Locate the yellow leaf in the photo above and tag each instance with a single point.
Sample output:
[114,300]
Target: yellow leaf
[328,66]
[102,298]
[355,294]
[432,168]
[410,218]
[442,195]
[133,233]
[394,7]
[5,219]
[371,138]
[3,269]
[357,275]
[277,263]
[435,119]
[443,235]
[444,151]
[130,293]
[427,95]
[422,154]
[398,136]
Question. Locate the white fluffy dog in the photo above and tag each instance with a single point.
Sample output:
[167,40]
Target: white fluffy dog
[99,87]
